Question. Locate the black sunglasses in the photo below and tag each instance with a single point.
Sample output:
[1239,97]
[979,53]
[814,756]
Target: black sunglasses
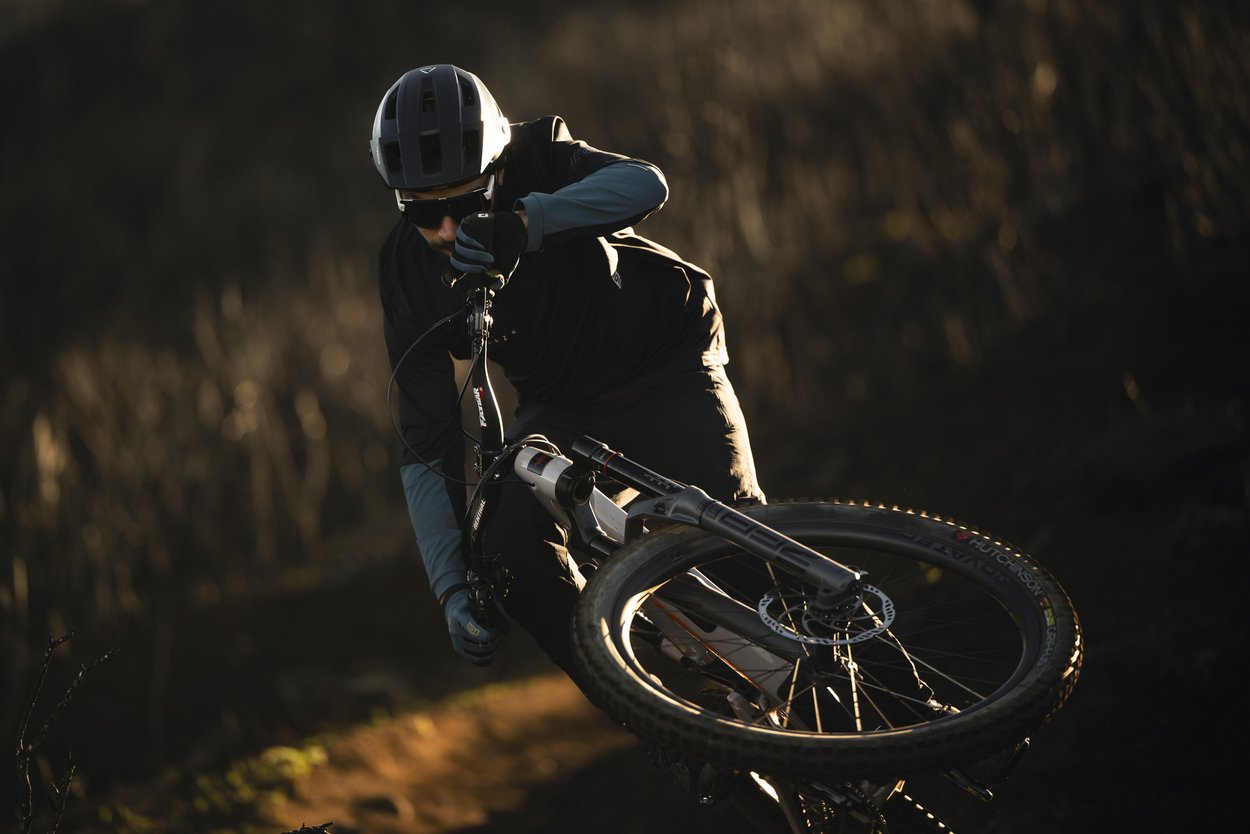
[429,214]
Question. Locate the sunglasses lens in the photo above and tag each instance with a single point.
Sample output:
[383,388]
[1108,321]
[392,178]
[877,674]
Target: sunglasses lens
[461,207]
[426,214]
[429,214]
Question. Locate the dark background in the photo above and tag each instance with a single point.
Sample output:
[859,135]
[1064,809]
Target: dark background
[985,258]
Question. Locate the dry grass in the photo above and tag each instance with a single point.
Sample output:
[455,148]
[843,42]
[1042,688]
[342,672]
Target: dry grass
[151,479]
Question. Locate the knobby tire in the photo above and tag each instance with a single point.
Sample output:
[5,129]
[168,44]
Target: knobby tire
[1016,650]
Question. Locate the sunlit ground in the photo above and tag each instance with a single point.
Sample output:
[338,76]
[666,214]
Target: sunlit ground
[452,767]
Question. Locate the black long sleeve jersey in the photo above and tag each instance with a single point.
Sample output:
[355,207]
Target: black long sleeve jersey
[593,309]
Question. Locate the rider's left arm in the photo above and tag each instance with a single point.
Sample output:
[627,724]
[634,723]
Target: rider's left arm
[610,199]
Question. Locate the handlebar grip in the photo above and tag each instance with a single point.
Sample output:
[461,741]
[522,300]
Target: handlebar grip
[497,280]
[591,450]
[606,461]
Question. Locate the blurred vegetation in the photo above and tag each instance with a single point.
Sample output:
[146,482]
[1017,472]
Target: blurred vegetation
[192,381]
[216,803]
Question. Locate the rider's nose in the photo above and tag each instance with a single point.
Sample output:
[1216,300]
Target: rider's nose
[447,231]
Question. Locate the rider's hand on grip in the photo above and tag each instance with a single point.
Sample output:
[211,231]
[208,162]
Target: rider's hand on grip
[490,242]
[468,637]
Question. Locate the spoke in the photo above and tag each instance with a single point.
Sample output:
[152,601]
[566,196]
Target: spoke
[980,696]
[850,667]
[980,624]
[865,689]
[880,681]
[868,697]
[866,686]
[981,653]
[794,679]
[929,666]
[727,650]
[816,710]
[900,667]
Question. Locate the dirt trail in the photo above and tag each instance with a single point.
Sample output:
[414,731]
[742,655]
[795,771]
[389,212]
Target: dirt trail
[454,768]
[524,756]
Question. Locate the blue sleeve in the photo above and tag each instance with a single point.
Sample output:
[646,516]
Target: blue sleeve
[611,198]
[434,522]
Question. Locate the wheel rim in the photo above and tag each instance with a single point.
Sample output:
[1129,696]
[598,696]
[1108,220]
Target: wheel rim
[933,638]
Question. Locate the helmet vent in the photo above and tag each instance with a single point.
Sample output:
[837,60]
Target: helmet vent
[427,101]
[431,154]
[467,93]
[388,111]
[394,161]
[471,144]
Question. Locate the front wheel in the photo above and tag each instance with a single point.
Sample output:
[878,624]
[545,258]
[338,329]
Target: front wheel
[956,646]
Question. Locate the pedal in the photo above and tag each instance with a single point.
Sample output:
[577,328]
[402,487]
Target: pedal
[980,778]
[979,791]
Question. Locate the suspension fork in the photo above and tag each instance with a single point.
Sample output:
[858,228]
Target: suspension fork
[691,506]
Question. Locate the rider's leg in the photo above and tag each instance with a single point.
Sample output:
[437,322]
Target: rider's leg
[544,583]
[685,423]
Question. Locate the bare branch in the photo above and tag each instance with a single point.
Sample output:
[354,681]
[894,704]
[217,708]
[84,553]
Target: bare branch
[61,792]
[51,648]
[26,747]
[67,697]
[25,751]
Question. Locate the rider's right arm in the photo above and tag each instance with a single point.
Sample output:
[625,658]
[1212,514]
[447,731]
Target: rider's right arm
[425,389]
[434,523]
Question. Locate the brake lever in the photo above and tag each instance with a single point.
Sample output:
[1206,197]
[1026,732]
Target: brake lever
[452,276]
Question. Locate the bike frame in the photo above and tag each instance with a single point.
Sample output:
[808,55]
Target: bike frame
[598,527]
[565,486]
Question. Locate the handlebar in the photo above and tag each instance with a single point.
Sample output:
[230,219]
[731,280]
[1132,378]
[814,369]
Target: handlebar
[491,280]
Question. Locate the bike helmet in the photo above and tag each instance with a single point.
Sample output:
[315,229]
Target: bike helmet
[437,126]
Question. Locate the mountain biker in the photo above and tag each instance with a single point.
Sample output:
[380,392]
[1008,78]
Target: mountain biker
[600,331]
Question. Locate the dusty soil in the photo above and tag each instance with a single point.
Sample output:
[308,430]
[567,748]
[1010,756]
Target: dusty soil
[551,763]
[527,756]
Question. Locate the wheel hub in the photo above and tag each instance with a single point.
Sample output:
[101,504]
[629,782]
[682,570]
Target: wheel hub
[796,618]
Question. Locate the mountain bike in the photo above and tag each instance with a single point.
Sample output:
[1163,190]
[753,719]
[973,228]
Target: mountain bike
[825,649]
